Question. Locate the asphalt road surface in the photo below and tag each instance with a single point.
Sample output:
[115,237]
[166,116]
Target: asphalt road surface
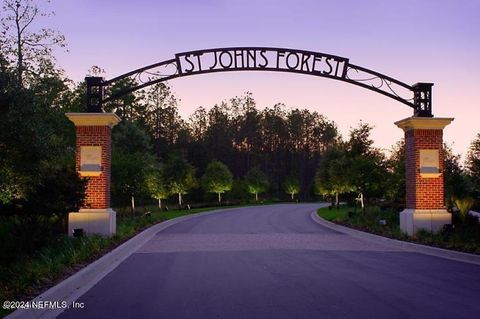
[275,262]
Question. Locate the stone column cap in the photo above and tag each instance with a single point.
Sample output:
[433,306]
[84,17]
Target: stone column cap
[428,123]
[94,119]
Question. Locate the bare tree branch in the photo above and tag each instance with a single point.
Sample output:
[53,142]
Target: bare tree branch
[24,46]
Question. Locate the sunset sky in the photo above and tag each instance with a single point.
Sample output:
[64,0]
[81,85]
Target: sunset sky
[413,41]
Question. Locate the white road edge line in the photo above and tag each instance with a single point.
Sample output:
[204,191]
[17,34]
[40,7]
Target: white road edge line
[412,247]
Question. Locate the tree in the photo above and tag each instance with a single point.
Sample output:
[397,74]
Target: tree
[367,169]
[274,134]
[30,51]
[456,181]
[59,193]
[257,182]
[473,163]
[198,123]
[217,179]
[129,137]
[38,183]
[359,142]
[128,106]
[161,117]
[130,162]
[128,177]
[42,213]
[291,185]
[156,185]
[179,176]
[395,163]
[367,175]
[246,120]
[219,135]
[331,177]
[31,139]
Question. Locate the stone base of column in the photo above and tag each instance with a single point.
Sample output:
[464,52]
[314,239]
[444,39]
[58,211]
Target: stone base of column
[432,220]
[93,221]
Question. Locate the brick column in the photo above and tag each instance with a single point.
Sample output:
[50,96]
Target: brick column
[93,161]
[98,185]
[424,165]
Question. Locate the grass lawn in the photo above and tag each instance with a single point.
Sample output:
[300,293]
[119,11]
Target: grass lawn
[334,214]
[31,275]
[465,236]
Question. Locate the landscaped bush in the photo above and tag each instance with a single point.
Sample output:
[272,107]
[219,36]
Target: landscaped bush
[463,236]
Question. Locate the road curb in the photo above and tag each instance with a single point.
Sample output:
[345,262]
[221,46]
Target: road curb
[412,247]
[72,288]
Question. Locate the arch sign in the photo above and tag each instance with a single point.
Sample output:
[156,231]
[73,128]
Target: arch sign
[417,96]
[423,133]
[261,59]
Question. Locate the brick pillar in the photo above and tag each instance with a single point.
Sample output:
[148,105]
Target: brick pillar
[93,161]
[424,165]
[98,185]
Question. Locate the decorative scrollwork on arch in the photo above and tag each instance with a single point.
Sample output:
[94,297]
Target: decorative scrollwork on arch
[145,76]
[417,96]
[380,83]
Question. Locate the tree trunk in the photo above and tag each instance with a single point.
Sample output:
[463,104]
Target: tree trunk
[19,49]
[65,224]
[293,194]
[362,201]
[160,203]
[220,198]
[133,204]
[336,199]
[180,200]
[256,197]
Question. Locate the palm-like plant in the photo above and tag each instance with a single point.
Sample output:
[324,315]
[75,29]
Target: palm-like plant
[464,205]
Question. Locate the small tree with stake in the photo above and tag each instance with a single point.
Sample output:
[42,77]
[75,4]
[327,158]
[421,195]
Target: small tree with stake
[257,182]
[331,178]
[291,185]
[366,171]
[179,177]
[157,186]
[217,179]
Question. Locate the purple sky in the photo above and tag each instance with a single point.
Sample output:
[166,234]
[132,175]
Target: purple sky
[413,41]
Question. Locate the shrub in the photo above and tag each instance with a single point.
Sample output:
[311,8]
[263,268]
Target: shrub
[464,205]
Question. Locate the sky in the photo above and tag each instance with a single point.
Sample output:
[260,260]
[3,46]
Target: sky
[434,41]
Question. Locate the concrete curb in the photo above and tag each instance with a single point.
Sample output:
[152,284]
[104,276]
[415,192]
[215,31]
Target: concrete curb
[412,247]
[79,283]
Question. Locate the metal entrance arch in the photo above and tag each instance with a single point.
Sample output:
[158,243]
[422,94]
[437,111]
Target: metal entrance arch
[417,96]
[424,160]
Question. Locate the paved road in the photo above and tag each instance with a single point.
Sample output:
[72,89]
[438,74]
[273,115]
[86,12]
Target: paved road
[275,262]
